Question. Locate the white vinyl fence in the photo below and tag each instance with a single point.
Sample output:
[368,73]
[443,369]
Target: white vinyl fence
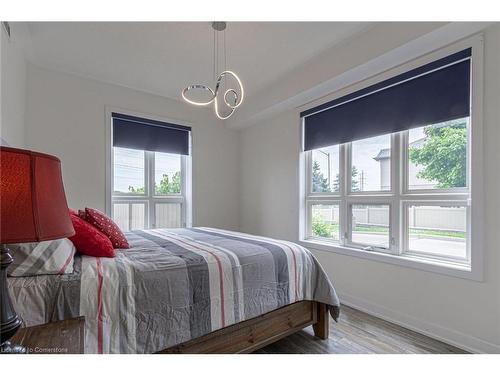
[371,216]
[129,216]
[132,215]
[431,217]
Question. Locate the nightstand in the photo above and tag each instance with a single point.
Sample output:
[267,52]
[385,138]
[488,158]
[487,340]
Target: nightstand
[61,337]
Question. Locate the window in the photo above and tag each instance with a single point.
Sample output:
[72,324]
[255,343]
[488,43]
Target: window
[406,192]
[432,193]
[325,221]
[129,215]
[434,149]
[129,171]
[168,177]
[370,226]
[147,189]
[438,230]
[367,172]
[326,165]
[150,188]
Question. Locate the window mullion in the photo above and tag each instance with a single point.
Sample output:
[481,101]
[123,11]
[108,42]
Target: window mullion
[397,176]
[183,190]
[345,180]
[150,181]
[307,193]
[308,174]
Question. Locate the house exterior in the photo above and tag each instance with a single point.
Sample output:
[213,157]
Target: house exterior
[414,182]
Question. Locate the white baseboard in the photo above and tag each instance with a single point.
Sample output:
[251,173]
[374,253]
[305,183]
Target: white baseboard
[449,336]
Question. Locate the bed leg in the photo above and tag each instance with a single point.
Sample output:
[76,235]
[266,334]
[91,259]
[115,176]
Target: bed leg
[321,327]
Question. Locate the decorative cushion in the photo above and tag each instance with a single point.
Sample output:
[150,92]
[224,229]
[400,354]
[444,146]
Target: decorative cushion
[42,258]
[107,226]
[89,241]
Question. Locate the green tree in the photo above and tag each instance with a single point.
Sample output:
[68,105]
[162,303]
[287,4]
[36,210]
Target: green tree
[168,186]
[336,183]
[320,183]
[354,182]
[443,155]
[136,190]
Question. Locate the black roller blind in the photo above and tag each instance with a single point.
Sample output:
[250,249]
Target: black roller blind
[433,93]
[151,135]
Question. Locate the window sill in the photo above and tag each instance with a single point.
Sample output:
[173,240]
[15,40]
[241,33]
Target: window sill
[409,261]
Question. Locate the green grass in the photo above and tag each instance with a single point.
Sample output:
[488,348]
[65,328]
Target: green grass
[370,229]
[437,233]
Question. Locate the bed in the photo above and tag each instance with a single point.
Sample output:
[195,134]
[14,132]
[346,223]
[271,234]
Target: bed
[185,290]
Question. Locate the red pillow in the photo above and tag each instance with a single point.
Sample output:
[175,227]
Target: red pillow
[108,227]
[88,240]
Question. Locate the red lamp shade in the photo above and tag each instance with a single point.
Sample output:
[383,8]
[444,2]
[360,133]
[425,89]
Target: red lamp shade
[33,205]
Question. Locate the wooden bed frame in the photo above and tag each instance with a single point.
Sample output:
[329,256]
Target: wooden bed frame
[253,334]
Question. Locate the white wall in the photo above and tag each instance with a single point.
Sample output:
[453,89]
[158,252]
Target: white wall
[459,311]
[269,177]
[13,89]
[65,116]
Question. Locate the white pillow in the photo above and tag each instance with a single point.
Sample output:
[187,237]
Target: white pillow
[42,258]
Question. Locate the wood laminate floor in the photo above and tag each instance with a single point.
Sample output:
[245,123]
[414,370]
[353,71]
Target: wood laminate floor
[360,333]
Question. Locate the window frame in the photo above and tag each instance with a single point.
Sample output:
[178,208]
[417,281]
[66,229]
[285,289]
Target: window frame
[153,178]
[151,199]
[311,203]
[145,179]
[348,177]
[400,196]
[129,202]
[319,193]
[441,203]
[405,139]
[363,246]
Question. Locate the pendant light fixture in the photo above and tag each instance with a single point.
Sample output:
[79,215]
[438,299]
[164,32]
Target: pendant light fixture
[222,95]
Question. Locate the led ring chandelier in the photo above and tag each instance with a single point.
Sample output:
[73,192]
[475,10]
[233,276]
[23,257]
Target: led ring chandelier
[231,99]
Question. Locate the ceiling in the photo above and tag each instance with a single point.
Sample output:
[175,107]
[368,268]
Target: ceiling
[163,57]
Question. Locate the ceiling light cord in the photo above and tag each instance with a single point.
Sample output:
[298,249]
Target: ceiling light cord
[214,68]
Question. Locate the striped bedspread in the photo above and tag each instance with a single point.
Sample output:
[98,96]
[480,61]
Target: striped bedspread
[174,285]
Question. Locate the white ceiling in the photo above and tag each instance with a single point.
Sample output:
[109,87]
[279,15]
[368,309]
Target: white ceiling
[162,58]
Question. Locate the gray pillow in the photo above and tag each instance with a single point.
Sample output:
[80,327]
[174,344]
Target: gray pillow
[42,258]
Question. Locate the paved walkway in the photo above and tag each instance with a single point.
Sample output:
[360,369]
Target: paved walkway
[452,247]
